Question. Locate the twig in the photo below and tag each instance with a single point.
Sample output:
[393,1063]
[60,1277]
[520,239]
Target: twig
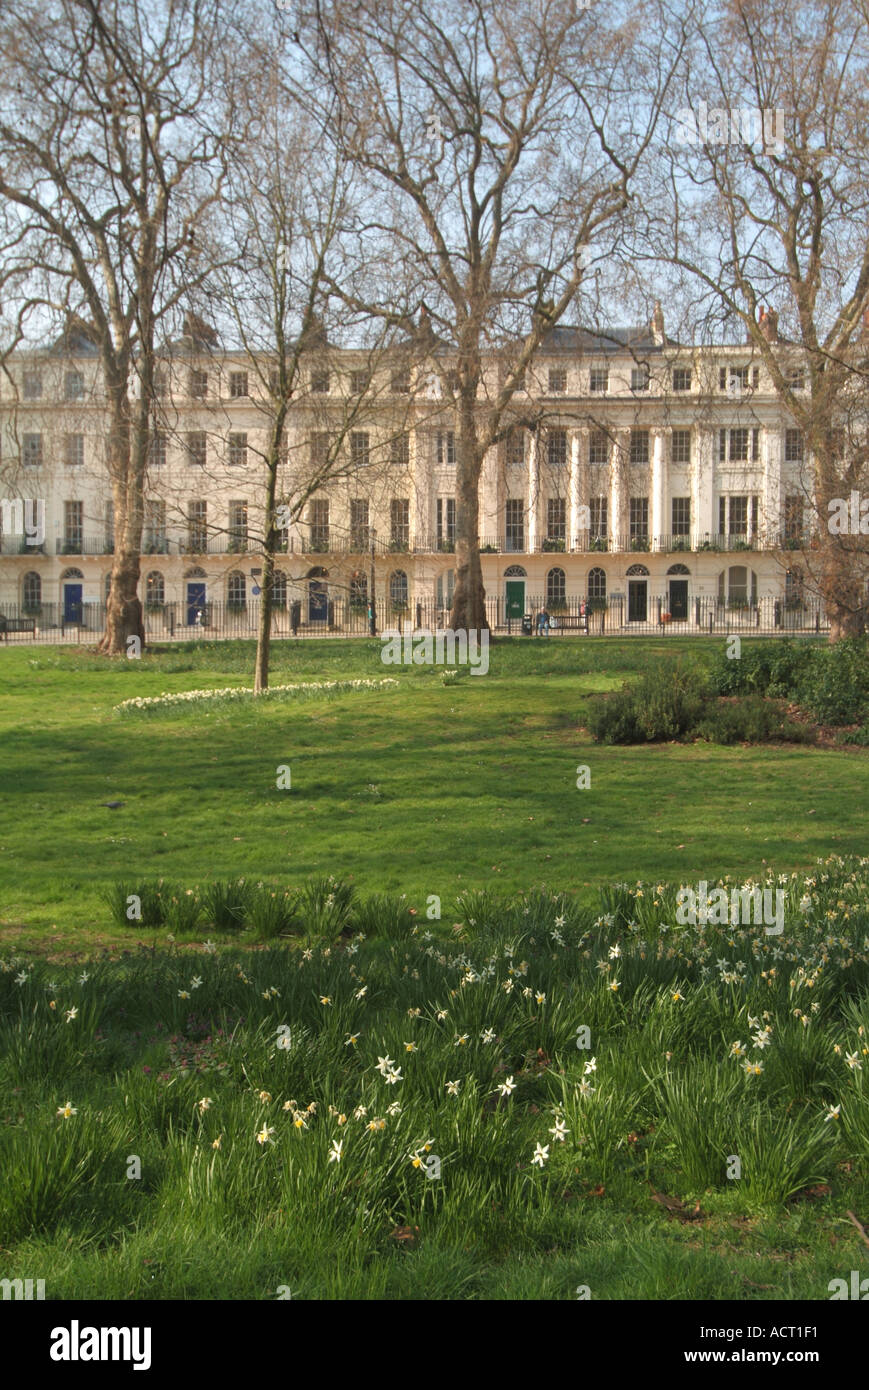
[852,1218]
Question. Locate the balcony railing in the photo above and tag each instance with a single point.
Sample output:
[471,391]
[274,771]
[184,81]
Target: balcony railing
[83,545]
[19,545]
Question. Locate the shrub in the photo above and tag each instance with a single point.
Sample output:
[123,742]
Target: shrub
[665,703]
[834,688]
[752,720]
[152,903]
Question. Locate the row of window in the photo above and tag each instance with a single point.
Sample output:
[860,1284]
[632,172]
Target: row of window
[737,516]
[732,379]
[734,445]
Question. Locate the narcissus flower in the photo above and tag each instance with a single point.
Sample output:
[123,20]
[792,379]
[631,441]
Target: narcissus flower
[335,1151]
[265,1135]
[325,999]
[204,1104]
[541,1154]
[453,1087]
[507,1087]
[559,1130]
[71,1013]
[488,1036]
[67,1110]
[183,994]
[585,1088]
[352,1040]
[265,1097]
[216,1142]
[614,985]
[832,1113]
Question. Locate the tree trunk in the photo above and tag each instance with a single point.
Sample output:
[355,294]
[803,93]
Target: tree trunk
[264,635]
[124,613]
[469,598]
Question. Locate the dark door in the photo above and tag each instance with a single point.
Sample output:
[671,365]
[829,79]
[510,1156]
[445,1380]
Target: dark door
[637,600]
[515,598]
[195,601]
[72,605]
[678,600]
[318,601]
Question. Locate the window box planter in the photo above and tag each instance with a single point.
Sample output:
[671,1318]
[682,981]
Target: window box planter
[640,544]
[553,546]
[599,545]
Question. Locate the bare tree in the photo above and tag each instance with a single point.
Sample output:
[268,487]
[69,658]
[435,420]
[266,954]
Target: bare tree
[487,143]
[282,234]
[114,118]
[765,203]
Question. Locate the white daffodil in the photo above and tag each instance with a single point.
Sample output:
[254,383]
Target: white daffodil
[352,1039]
[507,1087]
[71,1014]
[204,1104]
[67,1110]
[453,1088]
[83,978]
[335,1151]
[384,1064]
[360,1112]
[585,1088]
[265,1135]
[541,1154]
[196,982]
[21,978]
[559,1130]
[393,1076]
[590,1066]
[853,1060]
[832,1113]
[488,1035]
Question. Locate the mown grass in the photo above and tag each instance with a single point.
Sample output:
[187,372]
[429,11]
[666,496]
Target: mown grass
[430,789]
[719,1041]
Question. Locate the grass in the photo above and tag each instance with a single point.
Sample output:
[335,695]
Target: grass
[428,789]
[719,1044]
[169,1116]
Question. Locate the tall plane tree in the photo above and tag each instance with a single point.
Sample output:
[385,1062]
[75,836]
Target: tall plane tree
[765,206]
[114,119]
[495,144]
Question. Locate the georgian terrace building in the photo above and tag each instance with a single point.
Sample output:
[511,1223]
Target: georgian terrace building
[647,476]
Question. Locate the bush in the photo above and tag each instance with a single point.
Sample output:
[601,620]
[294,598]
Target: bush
[834,688]
[752,720]
[665,703]
[830,683]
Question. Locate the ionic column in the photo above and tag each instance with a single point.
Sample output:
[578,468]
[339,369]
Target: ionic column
[659,526]
[770,520]
[618,508]
[533,488]
[702,485]
[576,487]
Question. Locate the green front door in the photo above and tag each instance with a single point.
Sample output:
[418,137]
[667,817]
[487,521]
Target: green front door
[515,598]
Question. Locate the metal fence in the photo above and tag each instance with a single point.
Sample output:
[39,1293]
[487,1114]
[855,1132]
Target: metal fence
[342,617]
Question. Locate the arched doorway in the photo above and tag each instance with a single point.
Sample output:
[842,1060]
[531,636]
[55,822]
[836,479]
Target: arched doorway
[72,594]
[514,592]
[638,594]
[318,595]
[677,600]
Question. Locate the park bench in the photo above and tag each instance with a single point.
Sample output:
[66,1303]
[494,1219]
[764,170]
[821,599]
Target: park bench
[8,625]
[569,622]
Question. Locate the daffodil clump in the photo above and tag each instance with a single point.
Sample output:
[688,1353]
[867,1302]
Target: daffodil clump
[477,1076]
[300,690]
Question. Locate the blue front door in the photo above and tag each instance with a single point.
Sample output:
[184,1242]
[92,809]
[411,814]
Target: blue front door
[72,603]
[318,601]
[195,602]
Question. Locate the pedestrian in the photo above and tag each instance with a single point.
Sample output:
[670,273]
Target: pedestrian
[583,615]
[295,617]
[543,623]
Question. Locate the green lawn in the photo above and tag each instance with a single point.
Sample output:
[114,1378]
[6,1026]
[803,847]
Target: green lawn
[429,789]
[703,1044]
